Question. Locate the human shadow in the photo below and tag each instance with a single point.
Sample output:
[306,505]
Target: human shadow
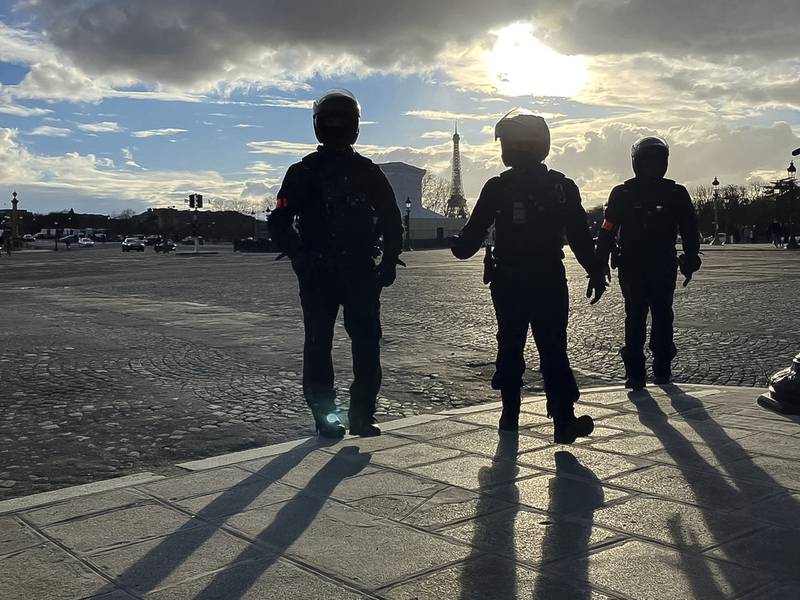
[576,493]
[724,500]
[488,577]
[287,526]
[161,561]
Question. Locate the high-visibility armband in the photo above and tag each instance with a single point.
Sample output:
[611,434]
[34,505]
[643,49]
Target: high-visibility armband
[608,225]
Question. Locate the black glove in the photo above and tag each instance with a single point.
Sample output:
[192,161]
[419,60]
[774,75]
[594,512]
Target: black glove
[597,286]
[387,272]
[689,264]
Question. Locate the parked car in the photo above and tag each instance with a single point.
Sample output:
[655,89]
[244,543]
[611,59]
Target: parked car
[151,240]
[86,242]
[165,246]
[28,238]
[69,239]
[132,243]
[251,245]
[189,240]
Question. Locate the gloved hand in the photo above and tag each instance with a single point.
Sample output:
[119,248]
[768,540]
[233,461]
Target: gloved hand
[689,264]
[386,272]
[462,248]
[597,286]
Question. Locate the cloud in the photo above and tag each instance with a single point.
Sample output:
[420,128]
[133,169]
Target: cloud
[443,115]
[146,133]
[101,127]
[279,147]
[96,177]
[18,110]
[247,126]
[437,135]
[260,167]
[47,130]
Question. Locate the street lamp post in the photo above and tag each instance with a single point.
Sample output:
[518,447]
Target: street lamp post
[14,220]
[408,223]
[792,171]
[715,241]
[56,224]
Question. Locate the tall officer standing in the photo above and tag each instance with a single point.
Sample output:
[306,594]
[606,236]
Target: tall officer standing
[336,214]
[646,213]
[532,208]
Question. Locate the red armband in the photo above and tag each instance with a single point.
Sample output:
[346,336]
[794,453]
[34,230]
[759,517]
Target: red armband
[281,203]
[608,225]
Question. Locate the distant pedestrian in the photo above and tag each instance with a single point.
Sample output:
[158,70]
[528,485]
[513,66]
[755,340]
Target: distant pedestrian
[775,234]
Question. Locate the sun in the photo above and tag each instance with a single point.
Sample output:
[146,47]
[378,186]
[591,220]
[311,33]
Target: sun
[520,65]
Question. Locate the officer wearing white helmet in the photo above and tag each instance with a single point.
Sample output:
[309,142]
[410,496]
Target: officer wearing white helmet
[644,216]
[532,208]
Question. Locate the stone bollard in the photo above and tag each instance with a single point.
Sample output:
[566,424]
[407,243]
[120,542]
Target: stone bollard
[784,390]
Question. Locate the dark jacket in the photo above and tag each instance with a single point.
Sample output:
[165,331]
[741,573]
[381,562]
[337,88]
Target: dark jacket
[646,218]
[532,210]
[343,206]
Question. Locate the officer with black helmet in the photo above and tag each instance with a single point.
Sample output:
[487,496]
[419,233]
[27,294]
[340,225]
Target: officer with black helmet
[532,208]
[644,216]
[336,215]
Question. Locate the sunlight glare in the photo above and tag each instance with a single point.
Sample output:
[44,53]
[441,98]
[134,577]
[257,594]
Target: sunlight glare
[521,65]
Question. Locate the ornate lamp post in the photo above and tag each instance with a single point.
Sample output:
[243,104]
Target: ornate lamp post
[14,221]
[792,172]
[408,223]
[715,241]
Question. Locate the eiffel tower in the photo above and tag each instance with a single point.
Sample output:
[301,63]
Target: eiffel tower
[456,204]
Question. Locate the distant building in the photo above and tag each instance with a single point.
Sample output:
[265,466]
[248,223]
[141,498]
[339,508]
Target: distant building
[428,228]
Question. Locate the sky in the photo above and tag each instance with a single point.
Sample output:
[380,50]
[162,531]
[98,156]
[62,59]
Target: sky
[108,105]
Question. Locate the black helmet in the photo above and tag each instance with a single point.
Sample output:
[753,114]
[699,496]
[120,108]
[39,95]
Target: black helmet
[650,156]
[524,137]
[336,115]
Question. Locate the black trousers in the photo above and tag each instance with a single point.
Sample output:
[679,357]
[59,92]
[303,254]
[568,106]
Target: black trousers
[323,289]
[541,304]
[648,291]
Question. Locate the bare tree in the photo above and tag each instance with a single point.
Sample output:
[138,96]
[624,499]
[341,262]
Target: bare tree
[435,193]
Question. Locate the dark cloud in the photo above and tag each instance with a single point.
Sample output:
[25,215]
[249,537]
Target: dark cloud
[182,41]
[768,28]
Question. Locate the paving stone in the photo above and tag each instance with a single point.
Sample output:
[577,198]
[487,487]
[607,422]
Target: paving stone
[488,441]
[783,510]
[413,454]
[703,487]
[259,580]
[778,591]
[57,576]
[635,445]
[473,472]
[698,455]
[15,535]
[489,578]
[198,483]
[558,494]
[434,430]
[164,562]
[595,465]
[300,469]
[386,440]
[772,551]
[647,572]
[385,493]
[244,496]
[452,504]
[84,505]
[305,525]
[492,417]
[774,444]
[528,536]
[122,526]
[782,472]
[672,523]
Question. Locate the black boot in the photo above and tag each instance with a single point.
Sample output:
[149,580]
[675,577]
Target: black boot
[635,377]
[635,383]
[567,427]
[327,422]
[363,426]
[509,419]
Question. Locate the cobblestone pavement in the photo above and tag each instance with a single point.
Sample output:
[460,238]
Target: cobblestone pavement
[682,492]
[112,364]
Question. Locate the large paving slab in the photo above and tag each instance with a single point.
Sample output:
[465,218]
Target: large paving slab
[666,502]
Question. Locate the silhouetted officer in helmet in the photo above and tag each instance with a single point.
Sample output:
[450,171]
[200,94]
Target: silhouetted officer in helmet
[646,214]
[336,215]
[532,208]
